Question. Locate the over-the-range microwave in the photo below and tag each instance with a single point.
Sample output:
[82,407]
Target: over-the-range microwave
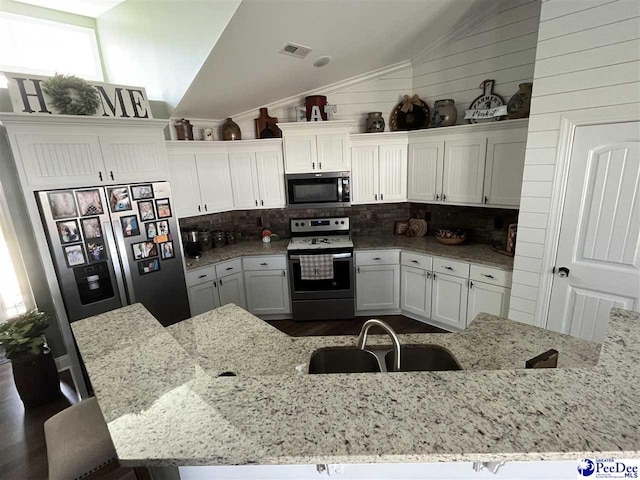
[317,190]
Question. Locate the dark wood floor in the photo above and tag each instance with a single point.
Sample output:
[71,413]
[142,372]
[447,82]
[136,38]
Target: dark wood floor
[23,453]
[399,323]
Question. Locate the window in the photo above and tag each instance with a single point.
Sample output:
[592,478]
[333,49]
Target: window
[41,47]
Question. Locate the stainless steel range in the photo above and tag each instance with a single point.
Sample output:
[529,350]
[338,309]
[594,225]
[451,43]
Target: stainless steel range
[321,269]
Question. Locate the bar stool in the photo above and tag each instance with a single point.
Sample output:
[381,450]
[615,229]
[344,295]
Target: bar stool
[78,442]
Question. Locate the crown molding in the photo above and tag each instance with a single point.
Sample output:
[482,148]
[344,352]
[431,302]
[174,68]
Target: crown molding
[79,120]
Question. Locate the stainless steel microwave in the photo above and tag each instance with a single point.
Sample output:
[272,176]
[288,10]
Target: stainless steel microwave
[317,190]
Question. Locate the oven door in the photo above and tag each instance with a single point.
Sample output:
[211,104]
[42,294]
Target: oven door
[316,190]
[340,286]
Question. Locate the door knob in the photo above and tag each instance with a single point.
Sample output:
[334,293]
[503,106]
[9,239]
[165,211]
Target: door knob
[563,272]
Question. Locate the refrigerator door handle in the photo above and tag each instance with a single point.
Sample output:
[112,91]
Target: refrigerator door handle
[108,239]
[124,261]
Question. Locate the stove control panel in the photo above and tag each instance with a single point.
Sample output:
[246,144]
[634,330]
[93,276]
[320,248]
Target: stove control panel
[314,225]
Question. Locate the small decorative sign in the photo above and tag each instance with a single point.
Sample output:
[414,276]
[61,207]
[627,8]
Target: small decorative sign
[487,107]
[118,101]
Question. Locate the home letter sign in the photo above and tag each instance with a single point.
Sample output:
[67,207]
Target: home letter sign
[119,101]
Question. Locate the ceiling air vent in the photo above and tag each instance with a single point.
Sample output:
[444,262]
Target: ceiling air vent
[295,50]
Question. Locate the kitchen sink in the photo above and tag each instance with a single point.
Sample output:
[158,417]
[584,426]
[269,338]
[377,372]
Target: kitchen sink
[423,358]
[343,360]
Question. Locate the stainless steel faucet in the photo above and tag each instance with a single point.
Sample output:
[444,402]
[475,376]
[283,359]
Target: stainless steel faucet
[374,322]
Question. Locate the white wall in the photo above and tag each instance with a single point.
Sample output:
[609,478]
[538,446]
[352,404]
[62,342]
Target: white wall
[588,60]
[502,48]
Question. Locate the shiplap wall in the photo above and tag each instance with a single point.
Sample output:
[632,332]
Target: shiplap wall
[588,59]
[502,48]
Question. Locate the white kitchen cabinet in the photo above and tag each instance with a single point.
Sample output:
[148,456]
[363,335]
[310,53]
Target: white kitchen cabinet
[267,292]
[244,180]
[378,287]
[134,158]
[415,291]
[504,168]
[203,297]
[463,174]
[270,173]
[487,298]
[378,173]
[449,300]
[316,146]
[184,184]
[426,164]
[257,179]
[231,290]
[214,180]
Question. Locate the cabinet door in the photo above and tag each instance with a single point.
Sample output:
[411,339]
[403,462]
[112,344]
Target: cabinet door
[415,291]
[463,177]
[203,297]
[215,182]
[244,180]
[231,290]
[300,154]
[333,152]
[134,158]
[487,298]
[426,163]
[378,287]
[364,174]
[449,300]
[505,166]
[392,169]
[184,184]
[61,160]
[267,292]
[270,173]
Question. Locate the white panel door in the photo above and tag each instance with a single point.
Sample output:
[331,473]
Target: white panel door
[300,153]
[487,298]
[364,174]
[449,300]
[505,165]
[244,181]
[61,160]
[214,178]
[392,162]
[231,290]
[415,291]
[426,162]
[463,177]
[267,292]
[378,287]
[134,158]
[185,186]
[270,172]
[333,152]
[203,297]
[599,242]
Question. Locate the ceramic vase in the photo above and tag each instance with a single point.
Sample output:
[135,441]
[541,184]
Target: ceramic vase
[444,113]
[230,130]
[520,104]
[375,122]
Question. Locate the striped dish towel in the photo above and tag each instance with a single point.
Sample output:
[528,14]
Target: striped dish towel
[316,267]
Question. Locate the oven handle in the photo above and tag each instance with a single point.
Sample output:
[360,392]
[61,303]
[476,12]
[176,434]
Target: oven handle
[335,255]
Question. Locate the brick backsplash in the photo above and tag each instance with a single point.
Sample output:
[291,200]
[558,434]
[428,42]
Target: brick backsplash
[480,223]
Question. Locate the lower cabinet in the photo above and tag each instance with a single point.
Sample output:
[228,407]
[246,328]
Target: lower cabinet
[415,295]
[449,300]
[215,293]
[487,298]
[267,292]
[378,287]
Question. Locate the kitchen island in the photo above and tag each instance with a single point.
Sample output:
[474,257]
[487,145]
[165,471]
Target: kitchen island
[165,404]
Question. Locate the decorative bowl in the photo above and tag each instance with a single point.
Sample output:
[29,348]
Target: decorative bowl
[449,236]
[451,241]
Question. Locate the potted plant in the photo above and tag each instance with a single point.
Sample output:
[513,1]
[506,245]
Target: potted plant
[34,370]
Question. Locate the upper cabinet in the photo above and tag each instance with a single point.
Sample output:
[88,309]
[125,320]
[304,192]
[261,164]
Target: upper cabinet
[468,165]
[316,146]
[67,152]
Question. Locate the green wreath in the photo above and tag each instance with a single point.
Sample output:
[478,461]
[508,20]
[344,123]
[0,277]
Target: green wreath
[71,95]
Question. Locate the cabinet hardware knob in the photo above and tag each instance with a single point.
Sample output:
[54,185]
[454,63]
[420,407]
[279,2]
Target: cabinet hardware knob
[444,197]
[377,258]
[100,175]
[262,202]
[264,264]
[358,269]
[229,268]
[382,196]
[428,274]
[488,276]
[563,272]
[415,261]
[220,282]
[470,284]
[437,196]
[215,284]
[434,275]
[111,173]
[205,207]
[320,165]
[486,199]
[202,276]
[284,274]
[449,268]
[199,209]
[313,165]
[375,197]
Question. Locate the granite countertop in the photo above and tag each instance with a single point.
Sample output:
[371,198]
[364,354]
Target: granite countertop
[165,406]
[467,252]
